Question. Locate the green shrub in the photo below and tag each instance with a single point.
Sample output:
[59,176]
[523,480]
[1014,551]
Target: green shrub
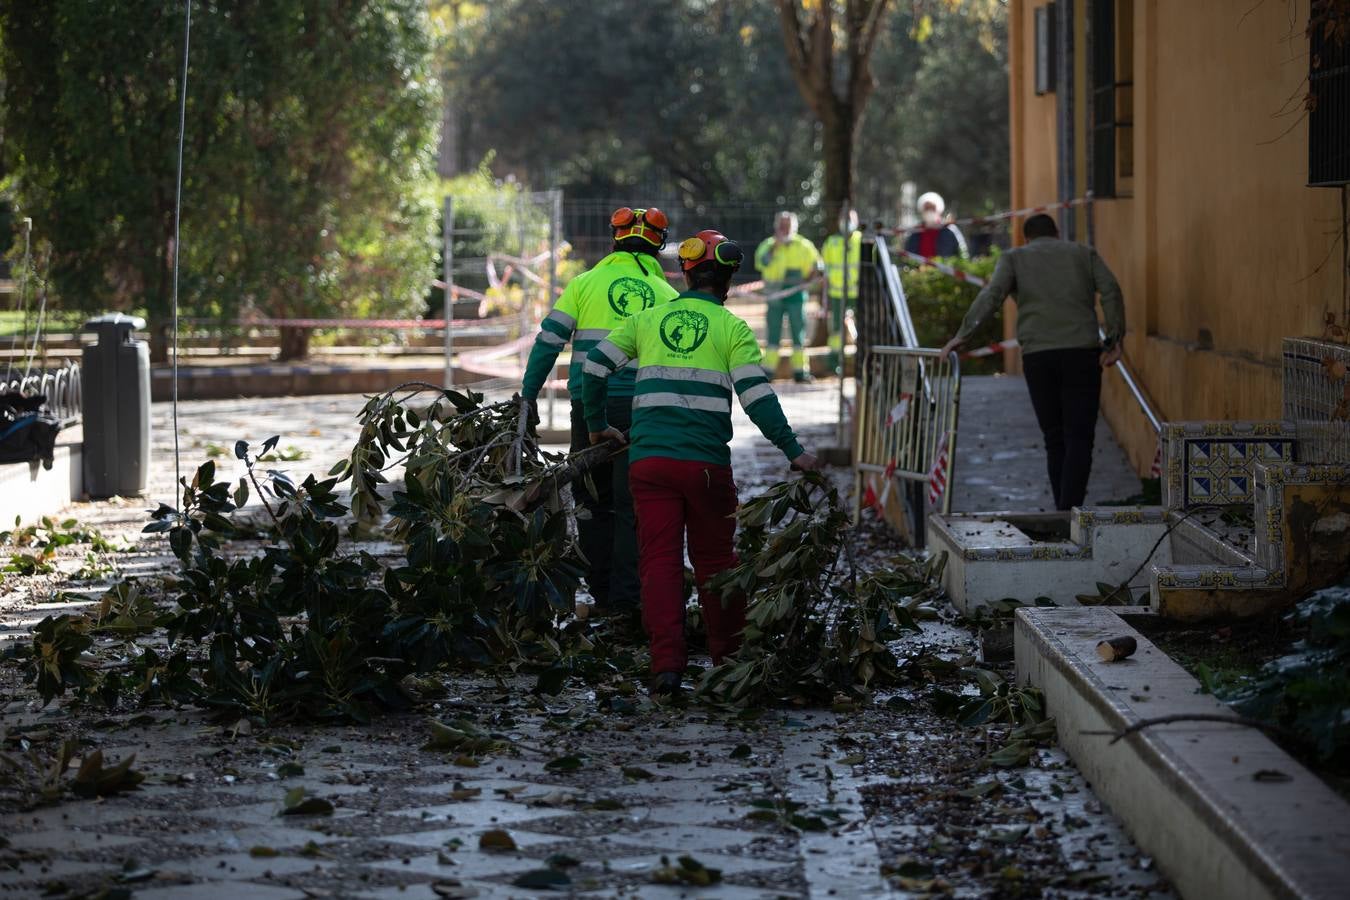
[939,302]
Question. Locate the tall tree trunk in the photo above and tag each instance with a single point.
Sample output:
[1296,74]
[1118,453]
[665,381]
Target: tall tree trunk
[837,149]
[837,94]
[294,343]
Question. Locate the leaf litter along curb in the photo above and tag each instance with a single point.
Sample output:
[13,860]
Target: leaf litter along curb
[315,627]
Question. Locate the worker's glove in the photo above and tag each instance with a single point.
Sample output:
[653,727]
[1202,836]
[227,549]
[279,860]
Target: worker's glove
[807,462]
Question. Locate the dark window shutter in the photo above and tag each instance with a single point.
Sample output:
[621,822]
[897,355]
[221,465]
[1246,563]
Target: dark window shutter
[1329,112]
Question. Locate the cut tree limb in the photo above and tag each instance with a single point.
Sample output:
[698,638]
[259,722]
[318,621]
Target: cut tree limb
[1116,648]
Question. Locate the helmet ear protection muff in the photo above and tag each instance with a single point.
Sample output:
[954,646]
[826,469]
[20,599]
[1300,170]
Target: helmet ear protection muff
[710,246]
[629,222]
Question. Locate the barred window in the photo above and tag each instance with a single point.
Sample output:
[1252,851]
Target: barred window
[1328,109]
[1112,59]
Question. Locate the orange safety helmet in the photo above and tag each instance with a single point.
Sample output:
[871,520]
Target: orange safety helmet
[710,246]
[644,223]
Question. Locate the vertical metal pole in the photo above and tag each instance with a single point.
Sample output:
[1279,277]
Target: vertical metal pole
[554,231]
[846,232]
[519,204]
[448,276]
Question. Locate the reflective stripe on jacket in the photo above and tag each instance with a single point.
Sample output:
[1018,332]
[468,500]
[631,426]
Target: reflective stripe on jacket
[593,304]
[692,355]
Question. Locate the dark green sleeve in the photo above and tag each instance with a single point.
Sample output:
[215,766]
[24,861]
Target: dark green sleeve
[767,414]
[756,394]
[605,358]
[554,333]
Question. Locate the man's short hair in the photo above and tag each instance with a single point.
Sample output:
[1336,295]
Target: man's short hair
[710,275]
[1038,226]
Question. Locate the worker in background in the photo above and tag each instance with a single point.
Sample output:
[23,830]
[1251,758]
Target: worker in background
[692,354]
[786,261]
[1056,284]
[841,281]
[935,236]
[624,283]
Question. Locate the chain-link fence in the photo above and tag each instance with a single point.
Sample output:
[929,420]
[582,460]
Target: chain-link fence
[511,254]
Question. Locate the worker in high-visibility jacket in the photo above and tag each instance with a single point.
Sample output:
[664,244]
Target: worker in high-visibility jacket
[841,284]
[624,283]
[692,354]
[787,260]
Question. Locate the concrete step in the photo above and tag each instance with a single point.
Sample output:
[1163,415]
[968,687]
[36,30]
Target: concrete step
[1059,555]
[1186,791]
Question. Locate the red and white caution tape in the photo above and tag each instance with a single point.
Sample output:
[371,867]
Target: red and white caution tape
[937,476]
[991,349]
[942,267]
[897,413]
[384,324]
[1000,216]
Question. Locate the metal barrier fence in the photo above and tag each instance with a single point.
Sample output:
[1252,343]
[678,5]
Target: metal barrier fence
[1317,398]
[908,401]
[61,387]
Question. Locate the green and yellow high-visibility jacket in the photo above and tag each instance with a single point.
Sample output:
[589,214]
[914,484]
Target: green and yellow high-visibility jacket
[833,254]
[593,304]
[691,353]
[791,262]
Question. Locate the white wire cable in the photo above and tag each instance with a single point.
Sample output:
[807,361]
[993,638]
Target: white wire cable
[177,217]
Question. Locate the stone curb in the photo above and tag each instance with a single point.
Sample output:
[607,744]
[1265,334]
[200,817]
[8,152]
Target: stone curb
[1185,791]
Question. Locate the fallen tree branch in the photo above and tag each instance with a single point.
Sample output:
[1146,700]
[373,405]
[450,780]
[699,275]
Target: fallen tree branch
[1191,717]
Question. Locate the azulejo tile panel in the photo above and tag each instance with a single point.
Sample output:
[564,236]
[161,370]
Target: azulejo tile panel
[1207,577]
[1208,463]
[1020,554]
[1087,518]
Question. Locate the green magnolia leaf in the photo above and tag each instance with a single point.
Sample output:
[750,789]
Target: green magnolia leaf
[564,764]
[546,879]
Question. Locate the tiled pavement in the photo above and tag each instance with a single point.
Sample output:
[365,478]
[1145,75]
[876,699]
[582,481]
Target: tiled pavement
[407,822]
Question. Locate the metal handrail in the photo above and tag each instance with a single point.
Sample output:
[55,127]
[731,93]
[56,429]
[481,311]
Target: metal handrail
[890,276]
[1135,391]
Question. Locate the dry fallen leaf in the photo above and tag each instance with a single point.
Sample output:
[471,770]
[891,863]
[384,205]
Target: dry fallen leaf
[497,840]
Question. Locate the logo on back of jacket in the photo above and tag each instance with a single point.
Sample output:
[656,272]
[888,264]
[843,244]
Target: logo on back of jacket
[683,331]
[629,296]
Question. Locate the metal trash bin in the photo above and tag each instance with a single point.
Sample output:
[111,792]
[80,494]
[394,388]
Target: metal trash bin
[116,383]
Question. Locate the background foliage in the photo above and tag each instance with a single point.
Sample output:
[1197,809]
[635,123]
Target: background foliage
[309,157]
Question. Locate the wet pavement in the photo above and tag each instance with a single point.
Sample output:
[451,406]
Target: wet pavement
[1000,455]
[595,799]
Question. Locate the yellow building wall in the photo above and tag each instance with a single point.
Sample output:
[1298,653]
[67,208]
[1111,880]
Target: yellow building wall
[1219,247]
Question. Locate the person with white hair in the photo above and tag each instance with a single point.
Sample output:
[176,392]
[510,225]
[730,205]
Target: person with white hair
[935,237]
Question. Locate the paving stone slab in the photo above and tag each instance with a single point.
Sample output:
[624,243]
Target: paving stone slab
[244,866]
[216,890]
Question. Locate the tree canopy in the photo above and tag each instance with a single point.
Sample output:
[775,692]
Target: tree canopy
[308,171]
[697,99]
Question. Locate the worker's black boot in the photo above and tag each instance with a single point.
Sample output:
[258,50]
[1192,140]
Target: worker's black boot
[666,686]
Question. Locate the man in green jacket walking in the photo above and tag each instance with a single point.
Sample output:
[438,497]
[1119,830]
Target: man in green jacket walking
[624,283]
[1056,284]
[692,354]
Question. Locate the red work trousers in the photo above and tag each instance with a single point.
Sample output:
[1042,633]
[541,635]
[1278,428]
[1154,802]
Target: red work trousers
[672,497]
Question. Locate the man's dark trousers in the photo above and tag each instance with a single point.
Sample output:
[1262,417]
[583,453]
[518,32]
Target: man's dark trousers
[1066,387]
[609,534]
